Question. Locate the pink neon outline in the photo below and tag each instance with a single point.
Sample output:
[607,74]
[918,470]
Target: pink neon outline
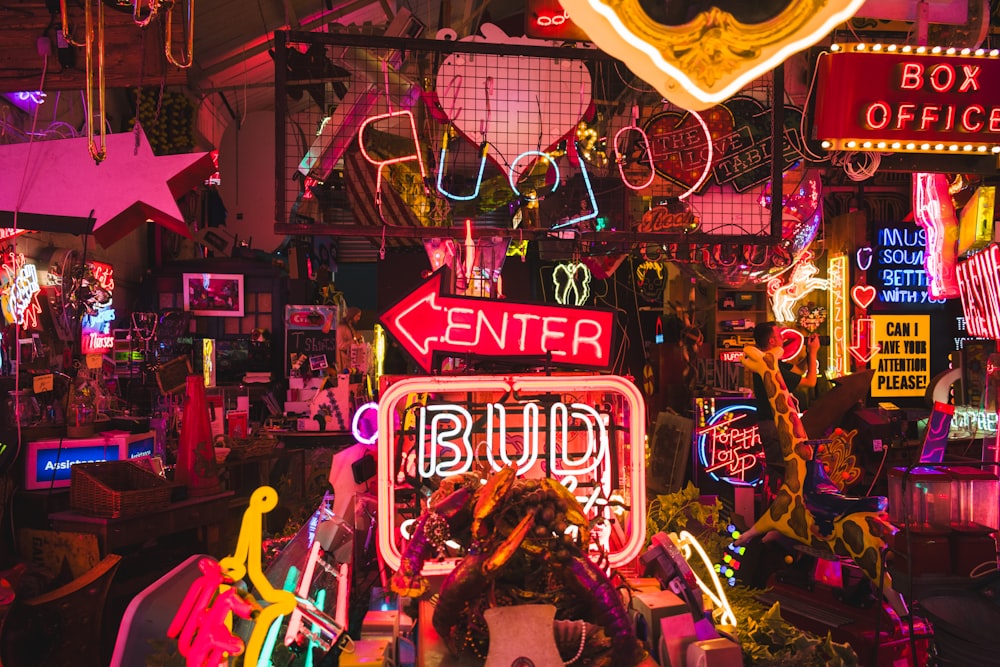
[620,159]
[407,158]
[934,211]
[873,347]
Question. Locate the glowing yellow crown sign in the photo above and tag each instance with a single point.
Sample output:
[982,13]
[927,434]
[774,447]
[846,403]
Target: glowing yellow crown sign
[710,58]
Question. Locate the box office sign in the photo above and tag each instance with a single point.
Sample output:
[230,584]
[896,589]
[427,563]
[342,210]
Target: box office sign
[585,431]
[916,99]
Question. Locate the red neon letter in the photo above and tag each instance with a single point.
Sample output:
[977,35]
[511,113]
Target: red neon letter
[970,83]
[913,76]
[883,109]
[967,123]
[929,115]
[939,84]
[995,119]
[904,114]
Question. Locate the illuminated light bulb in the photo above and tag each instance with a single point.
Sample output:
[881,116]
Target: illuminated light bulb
[896,145]
[925,147]
[994,52]
[980,52]
[907,49]
[892,47]
[966,51]
[981,148]
[996,149]
[835,47]
[852,144]
[937,49]
[953,147]
[866,144]
[877,47]
[967,147]
[921,49]
[910,146]
[881,144]
[939,147]
[825,144]
[860,47]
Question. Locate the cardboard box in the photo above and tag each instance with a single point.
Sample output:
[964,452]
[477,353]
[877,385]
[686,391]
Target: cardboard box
[719,652]
[653,606]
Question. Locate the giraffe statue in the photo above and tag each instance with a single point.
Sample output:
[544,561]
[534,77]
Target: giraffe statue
[856,528]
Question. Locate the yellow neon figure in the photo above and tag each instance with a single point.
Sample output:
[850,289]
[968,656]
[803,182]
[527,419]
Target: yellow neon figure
[245,562]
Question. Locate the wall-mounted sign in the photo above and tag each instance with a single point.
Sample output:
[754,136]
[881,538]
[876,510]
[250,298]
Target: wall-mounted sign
[979,287]
[585,431]
[902,364]
[426,323]
[310,331]
[727,441]
[48,463]
[897,271]
[698,58]
[19,291]
[914,99]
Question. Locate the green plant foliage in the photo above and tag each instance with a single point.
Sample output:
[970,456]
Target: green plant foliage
[765,638]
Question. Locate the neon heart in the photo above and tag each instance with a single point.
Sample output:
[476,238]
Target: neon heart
[533,111]
[678,144]
[863,295]
[792,340]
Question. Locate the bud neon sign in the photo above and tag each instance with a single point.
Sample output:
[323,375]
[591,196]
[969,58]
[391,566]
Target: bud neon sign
[591,440]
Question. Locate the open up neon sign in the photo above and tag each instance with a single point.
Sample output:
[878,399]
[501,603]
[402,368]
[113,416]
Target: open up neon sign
[587,431]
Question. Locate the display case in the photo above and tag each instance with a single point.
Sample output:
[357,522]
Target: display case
[737,312]
[974,499]
[920,499]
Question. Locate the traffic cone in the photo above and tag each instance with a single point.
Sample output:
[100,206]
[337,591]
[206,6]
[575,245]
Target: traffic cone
[196,465]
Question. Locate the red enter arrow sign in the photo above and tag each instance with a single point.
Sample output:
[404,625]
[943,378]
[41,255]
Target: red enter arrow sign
[427,322]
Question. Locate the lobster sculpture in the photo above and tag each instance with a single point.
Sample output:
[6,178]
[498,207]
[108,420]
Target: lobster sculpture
[528,541]
[808,507]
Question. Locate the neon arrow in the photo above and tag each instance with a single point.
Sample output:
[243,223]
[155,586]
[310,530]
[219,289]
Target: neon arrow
[863,345]
[426,322]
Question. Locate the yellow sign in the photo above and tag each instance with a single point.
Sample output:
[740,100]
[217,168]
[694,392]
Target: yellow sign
[708,59]
[902,365]
[42,383]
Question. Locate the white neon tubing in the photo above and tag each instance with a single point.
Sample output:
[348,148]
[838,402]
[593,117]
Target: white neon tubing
[708,160]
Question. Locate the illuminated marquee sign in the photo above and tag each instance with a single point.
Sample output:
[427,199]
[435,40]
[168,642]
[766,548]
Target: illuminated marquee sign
[727,441]
[902,364]
[586,431]
[979,287]
[914,99]
[426,322]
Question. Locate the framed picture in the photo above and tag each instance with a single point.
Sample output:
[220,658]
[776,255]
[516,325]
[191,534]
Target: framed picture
[218,294]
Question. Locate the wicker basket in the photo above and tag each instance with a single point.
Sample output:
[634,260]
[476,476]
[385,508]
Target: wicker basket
[115,489]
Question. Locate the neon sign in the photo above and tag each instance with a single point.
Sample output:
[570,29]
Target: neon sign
[591,440]
[837,275]
[784,296]
[712,56]
[915,99]
[19,291]
[98,315]
[426,323]
[571,281]
[899,266]
[935,213]
[979,287]
[727,441]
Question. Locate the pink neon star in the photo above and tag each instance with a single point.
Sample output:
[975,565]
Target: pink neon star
[126,190]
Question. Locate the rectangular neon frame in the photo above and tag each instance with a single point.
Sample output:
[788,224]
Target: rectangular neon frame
[396,395]
[839,334]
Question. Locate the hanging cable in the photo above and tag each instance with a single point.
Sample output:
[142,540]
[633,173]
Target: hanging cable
[98,153]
